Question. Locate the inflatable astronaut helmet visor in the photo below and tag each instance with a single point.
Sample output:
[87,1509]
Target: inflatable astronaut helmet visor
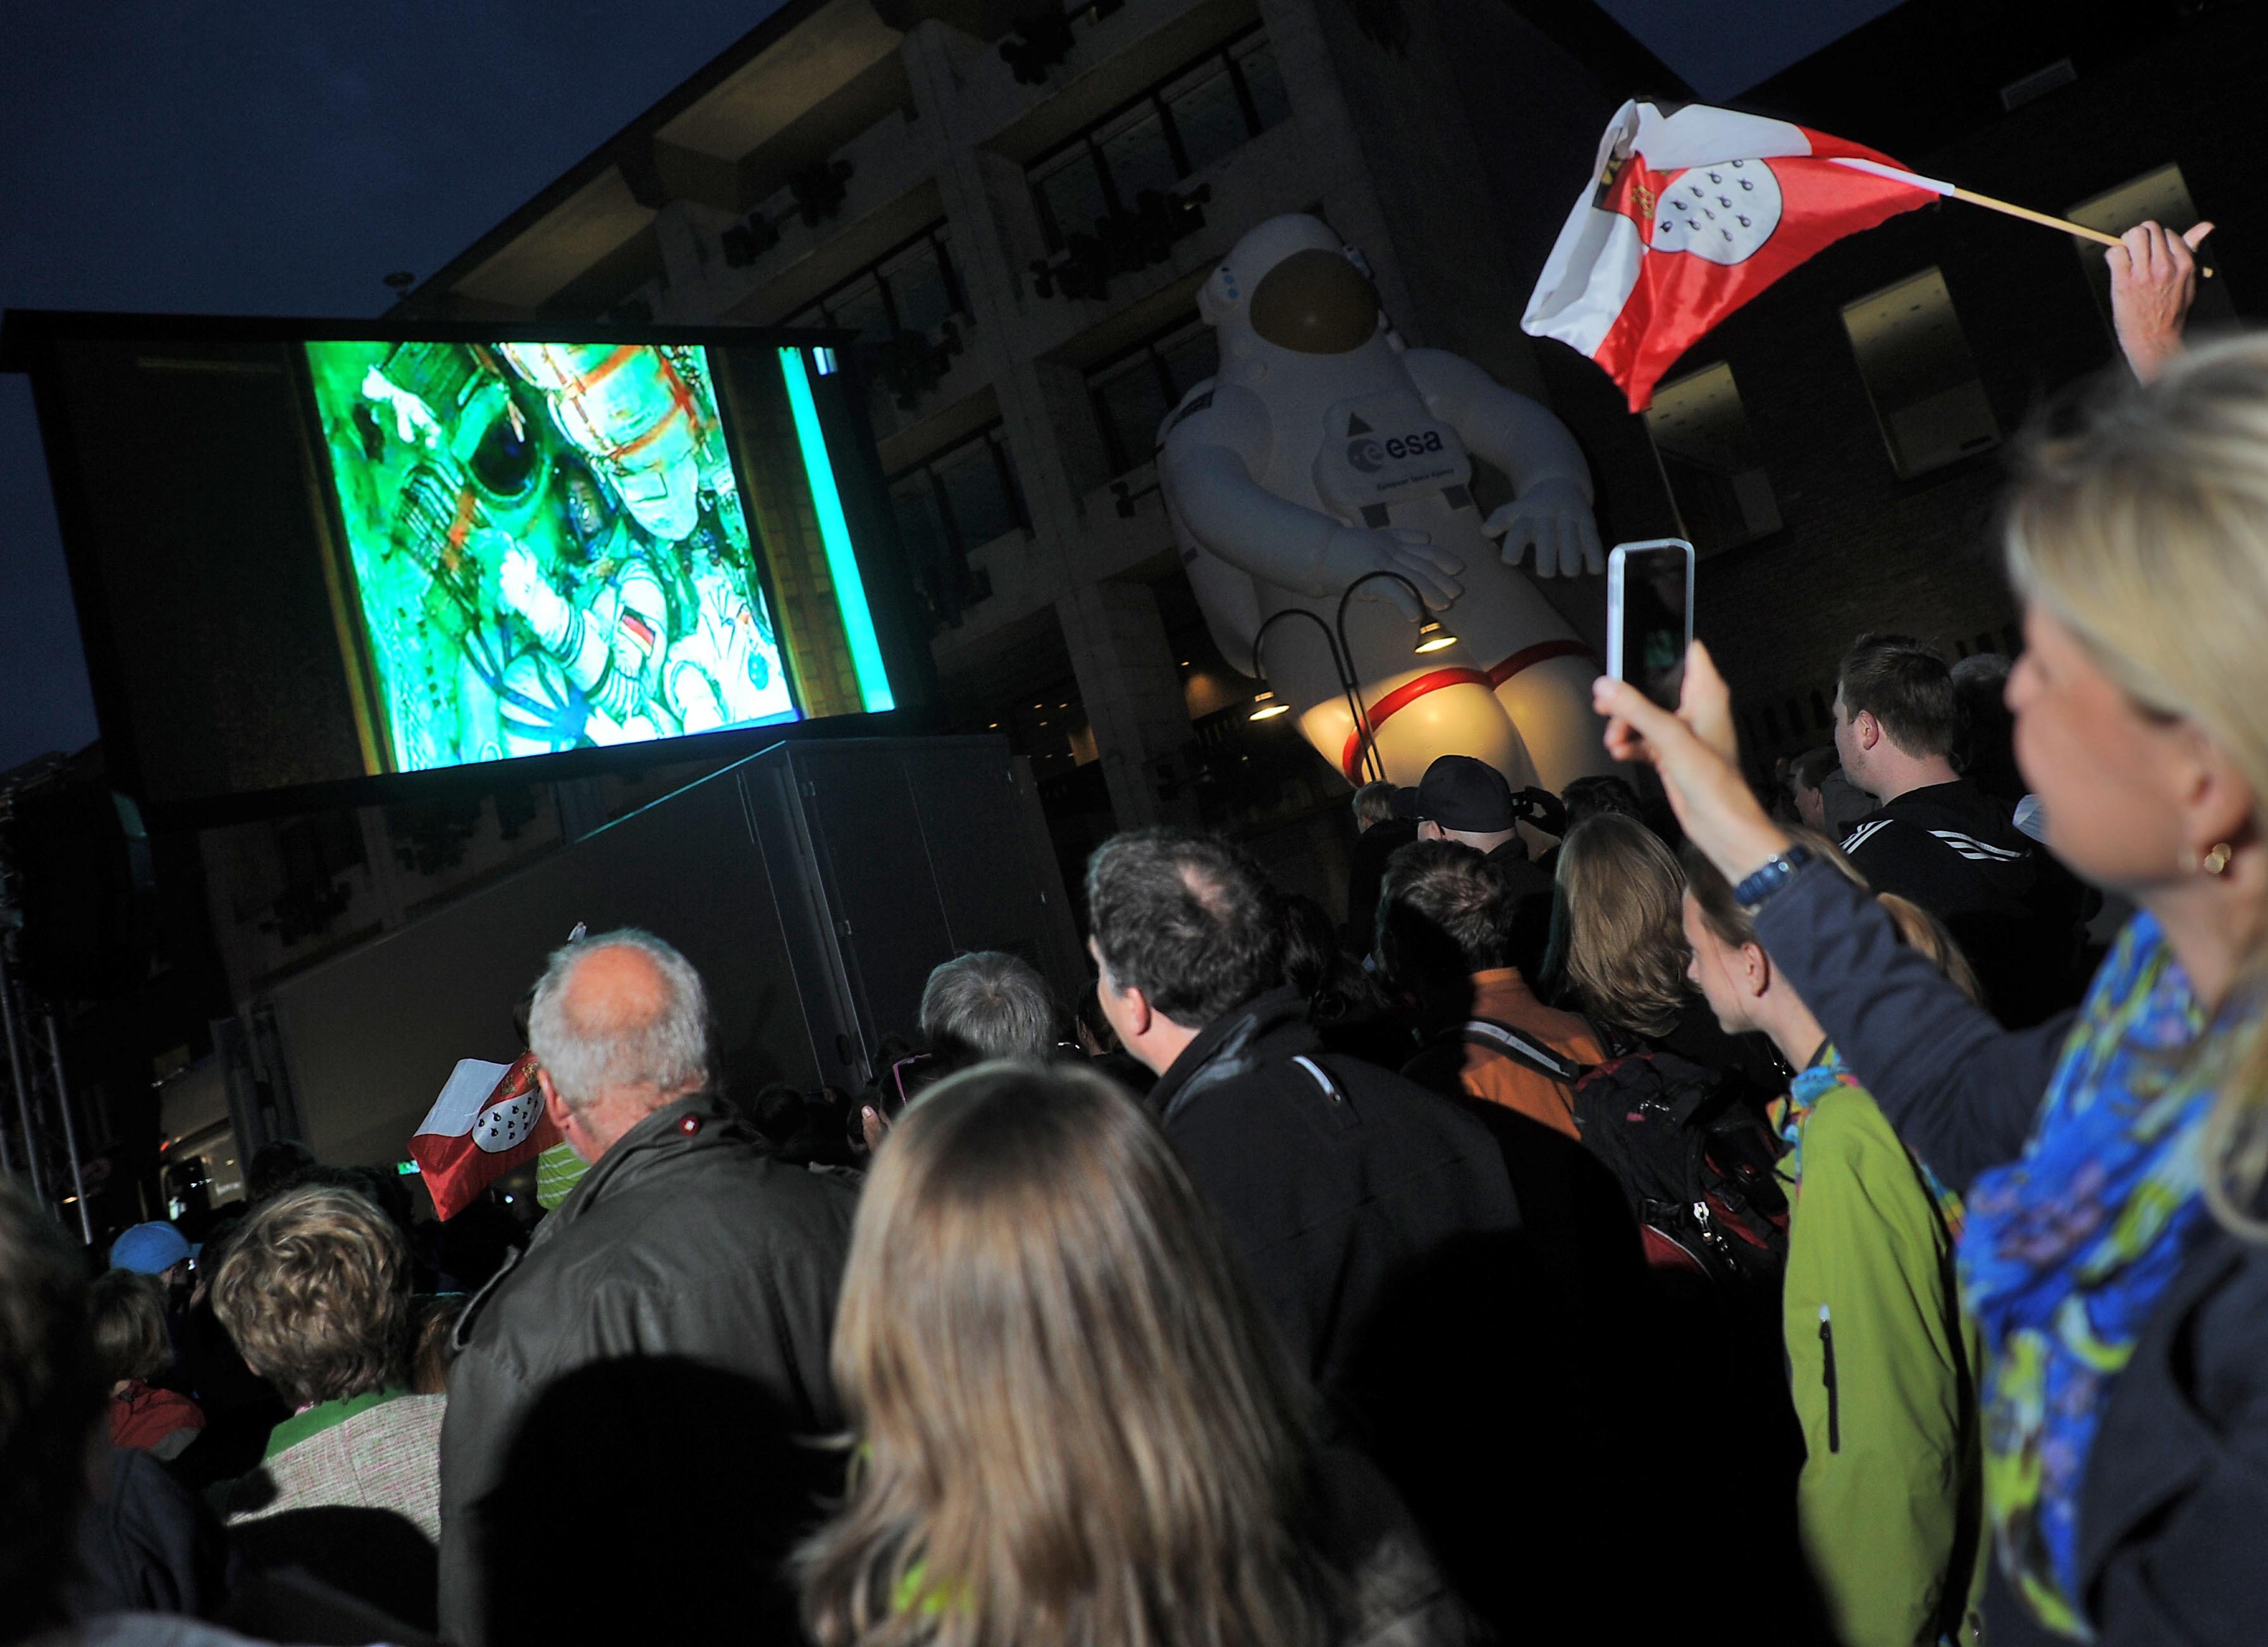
[1292,283]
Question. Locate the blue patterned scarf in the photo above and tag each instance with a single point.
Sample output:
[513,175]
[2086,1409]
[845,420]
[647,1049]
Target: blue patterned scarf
[2069,1248]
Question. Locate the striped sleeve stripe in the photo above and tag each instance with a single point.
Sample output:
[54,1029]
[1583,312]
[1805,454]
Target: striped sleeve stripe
[1865,833]
[1979,851]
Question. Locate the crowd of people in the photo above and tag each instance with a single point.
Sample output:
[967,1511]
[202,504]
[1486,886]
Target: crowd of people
[1678,1215]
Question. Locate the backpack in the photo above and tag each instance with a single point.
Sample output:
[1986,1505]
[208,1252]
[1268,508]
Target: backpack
[1693,1162]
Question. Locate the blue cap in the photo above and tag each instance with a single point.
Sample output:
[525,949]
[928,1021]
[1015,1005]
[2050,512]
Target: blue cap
[149,1249]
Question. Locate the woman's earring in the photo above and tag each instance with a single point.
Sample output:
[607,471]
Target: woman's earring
[2216,862]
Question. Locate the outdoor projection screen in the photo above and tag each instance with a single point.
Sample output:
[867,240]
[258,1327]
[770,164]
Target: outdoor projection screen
[303,557]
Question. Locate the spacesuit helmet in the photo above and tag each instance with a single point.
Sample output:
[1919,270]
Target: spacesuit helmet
[1294,283]
[625,408]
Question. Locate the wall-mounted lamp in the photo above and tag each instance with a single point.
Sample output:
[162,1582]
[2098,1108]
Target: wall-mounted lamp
[1432,637]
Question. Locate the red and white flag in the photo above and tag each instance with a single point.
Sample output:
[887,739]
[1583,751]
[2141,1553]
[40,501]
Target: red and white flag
[488,1120]
[1692,211]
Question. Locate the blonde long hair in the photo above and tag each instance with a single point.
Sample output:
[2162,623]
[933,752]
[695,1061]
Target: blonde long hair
[1617,928]
[2146,534]
[1072,1423]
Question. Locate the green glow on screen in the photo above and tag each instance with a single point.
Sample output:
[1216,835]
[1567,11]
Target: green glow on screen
[835,533]
[547,546]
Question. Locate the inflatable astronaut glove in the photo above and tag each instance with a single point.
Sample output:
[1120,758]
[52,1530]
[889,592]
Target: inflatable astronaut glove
[1554,516]
[521,583]
[1352,552]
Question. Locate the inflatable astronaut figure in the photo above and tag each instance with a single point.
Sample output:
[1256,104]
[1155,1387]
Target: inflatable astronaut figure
[1324,450]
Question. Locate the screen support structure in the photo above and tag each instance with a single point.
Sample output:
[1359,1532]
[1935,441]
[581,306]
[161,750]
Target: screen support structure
[834,534]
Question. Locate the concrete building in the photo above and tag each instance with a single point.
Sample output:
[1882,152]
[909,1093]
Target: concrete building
[1014,214]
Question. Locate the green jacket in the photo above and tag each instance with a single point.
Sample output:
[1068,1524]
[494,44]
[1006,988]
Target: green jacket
[1889,1506]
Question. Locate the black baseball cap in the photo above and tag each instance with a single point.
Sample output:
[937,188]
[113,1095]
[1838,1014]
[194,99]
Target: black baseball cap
[1459,793]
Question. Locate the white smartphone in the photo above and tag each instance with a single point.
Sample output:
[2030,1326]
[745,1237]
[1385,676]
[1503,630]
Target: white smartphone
[1650,615]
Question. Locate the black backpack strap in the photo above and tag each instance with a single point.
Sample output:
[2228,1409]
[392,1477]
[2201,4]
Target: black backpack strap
[1503,1038]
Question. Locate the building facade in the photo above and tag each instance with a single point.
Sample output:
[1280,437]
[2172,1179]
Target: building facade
[1011,207]
[1013,214]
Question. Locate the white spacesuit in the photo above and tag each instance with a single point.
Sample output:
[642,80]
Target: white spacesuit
[1325,450]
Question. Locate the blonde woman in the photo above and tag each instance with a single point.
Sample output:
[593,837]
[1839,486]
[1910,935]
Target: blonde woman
[2115,1252]
[315,1291]
[1072,1424]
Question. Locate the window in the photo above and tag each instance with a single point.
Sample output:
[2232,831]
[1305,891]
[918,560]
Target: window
[1919,374]
[1134,390]
[1174,128]
[1708,456]
[953,501]
[912,288]
[2161,196]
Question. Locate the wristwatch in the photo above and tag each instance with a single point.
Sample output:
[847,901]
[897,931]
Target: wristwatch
[1756,890]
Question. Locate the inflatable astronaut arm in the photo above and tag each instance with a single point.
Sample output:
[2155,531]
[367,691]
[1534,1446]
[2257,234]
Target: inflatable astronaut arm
[1551,484]
[1206,468]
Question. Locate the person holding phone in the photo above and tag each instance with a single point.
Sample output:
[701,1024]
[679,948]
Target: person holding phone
[1650,615]
[2114,1164]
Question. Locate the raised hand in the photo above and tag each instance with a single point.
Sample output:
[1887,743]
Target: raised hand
[1556,518]
[2153,280]
[1695,752]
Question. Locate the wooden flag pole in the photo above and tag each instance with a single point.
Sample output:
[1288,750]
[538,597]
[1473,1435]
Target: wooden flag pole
[2046,221]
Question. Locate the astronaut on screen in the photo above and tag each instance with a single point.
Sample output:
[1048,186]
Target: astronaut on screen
[575,505]
[1325,450]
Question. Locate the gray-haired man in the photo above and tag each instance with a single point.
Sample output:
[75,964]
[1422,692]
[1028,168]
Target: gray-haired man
[648,1373]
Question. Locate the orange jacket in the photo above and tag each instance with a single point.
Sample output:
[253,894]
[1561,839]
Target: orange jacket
[1503,995]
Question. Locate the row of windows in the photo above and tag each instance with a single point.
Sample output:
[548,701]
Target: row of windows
[1169,131]
[1132,391]
[951,502]
[966,495]
[1199,113]
[913,287]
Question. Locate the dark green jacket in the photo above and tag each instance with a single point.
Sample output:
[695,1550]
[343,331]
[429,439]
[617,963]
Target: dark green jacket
[632,1402]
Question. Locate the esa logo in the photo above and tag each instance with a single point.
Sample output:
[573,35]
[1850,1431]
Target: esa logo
[1367,454]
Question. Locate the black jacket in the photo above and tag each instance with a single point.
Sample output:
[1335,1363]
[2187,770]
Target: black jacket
[146,1543]
[2013,909]
[645,1376]
[2175,1502]
[1367,873]
[1331,1174]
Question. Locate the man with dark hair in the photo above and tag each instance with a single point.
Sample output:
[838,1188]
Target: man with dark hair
[1936,838]
[1378,1222]
[1331,1174]
[1468,801]
[1446,923]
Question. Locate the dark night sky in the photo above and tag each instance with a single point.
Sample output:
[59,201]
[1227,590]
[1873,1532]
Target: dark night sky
[1722,48]
[272,157]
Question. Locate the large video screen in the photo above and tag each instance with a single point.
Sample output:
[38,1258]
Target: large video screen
[313,557]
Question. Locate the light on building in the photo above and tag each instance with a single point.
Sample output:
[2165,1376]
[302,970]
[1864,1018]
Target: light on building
[1266,706]
[1432,637]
